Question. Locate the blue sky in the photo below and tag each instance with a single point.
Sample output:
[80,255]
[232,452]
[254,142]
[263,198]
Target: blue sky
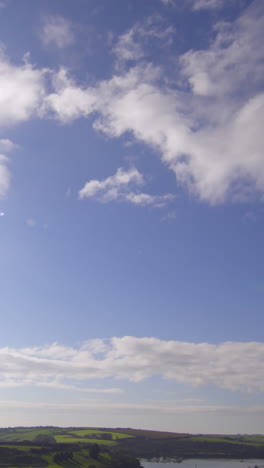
[132,185]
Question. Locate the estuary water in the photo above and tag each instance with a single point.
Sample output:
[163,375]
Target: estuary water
[206,463]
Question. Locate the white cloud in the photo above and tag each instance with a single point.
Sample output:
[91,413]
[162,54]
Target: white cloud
[142,38]
[210,4]
[57,384]
[168,2]
[197,5]
[230,365]
[205,121]
[69,102]
[4,176]
[225,68]
[208,130]
[57,31]
[118,182]
[144,199]
[127,48]
[6,146]
[119,188]
[21,91]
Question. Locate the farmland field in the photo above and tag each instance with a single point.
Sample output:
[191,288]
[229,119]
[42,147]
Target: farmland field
[73,440]
[75,447]
[67,435]
[84,432]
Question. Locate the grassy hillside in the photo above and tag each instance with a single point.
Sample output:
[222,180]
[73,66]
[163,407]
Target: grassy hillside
[23,456]
[55,447]
[191,446]
[151,434]
[69,435]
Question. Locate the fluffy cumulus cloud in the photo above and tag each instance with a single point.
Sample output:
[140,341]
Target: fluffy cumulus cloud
[121,186]
[57,31]
[206,126]
[230,365]
[69,102]
[22,89]
[204,119]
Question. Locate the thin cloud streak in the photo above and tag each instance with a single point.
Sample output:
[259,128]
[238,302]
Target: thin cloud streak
[102,406]
[197,5]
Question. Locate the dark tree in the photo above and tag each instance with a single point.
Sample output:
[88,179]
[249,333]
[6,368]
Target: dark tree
[62,456]
[44,439]
[123,460]
[94,451]
[106,436]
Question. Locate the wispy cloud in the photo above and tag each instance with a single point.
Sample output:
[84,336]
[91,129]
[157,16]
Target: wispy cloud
[4,176]
[57,384]
[113,186]
[168,2]
[127,48]
[210,4]
[121,187]
[197,5]
[57,31]
[142,38]
[97,406]
[230,365]
[6,146]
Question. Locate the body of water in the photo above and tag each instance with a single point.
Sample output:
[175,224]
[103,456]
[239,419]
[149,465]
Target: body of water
[206,463]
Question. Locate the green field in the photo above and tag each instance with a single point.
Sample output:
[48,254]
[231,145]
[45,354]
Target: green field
[21,434]
[80,458]
[67,435]
[68,439]
[245,440]
[251,438]
[84,432]
[72,447]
